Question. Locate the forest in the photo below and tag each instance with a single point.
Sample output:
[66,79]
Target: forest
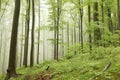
[59,39]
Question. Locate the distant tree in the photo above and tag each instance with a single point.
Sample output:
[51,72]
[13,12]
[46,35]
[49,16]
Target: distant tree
[110,24]
[97,33]
[52,17]
[81,23]
[68,34]
[11,71]
[38,52]
[27,24]
[62,36]
[102,9]
[118,10]
[89,21]
[22,42]
[55,18]
[79,5]
[32,36]
[59,6]
[73,16]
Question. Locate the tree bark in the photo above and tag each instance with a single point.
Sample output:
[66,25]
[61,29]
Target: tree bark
[32,36]
[68,34]
[81,12]
[38,32]
[26,34]
[11,71]
[90,36]
[110,25]
[97,33]
[118,6]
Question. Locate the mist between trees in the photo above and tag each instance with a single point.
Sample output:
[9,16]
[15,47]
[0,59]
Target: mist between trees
[33,31]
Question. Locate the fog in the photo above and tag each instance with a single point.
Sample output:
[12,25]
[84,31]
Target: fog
[46,45]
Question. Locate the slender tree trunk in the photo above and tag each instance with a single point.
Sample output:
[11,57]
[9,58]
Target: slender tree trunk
[32,36]
[75,37]
[102,7]
[57,30]
[55,41]
[57,27]
[26,34]
[11,71]
[68,34]
[103,32]
[110,25]
[21,55]
[72,36]
[79,25]
[97,33]
[118,6]
[74,30]
[62,42]
[38,32]
[90,36]
[81,17]
[44,46]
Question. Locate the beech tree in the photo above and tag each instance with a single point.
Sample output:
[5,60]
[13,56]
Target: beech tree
[97,33]
[26,33]
[89,20]
[118,12]
[32,36]
[38,52]
[11,71]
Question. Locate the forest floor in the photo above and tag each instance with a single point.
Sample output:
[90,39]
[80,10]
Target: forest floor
[79,67]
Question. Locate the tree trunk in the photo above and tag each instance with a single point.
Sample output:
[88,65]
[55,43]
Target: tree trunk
[55,40]
[38,33]
[11,71]
[26,34]
[90,36]
[81,17]
[102,7]
[57,27]
[118,6]
[79,25]
[32,36]
[57,30]
[68,34]
[75,36]
[103,31]
[21,55]
[22,30]
[97,33]
[110,25]
[62,42]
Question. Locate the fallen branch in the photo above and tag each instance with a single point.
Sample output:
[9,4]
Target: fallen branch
[47,68]
[105,68]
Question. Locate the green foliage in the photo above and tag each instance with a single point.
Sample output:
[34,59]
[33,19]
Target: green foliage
[79,67]
[111,39]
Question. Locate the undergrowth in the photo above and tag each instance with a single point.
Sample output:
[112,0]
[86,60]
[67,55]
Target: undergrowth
[77,67]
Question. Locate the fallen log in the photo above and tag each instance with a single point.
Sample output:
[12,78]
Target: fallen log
[105,69]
